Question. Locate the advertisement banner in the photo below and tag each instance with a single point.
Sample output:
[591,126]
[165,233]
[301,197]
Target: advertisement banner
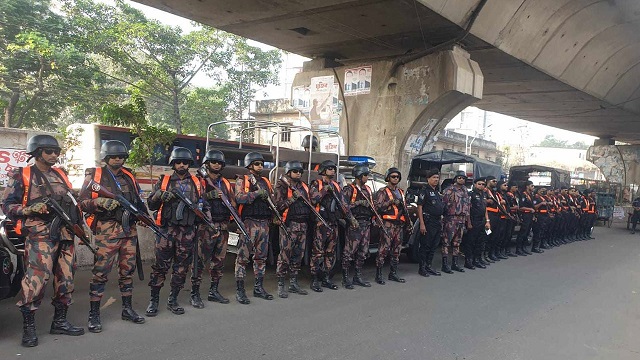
[357,81]
[321,110]
[10,159]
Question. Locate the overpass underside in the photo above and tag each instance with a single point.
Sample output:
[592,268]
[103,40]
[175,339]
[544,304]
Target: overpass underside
[571,64]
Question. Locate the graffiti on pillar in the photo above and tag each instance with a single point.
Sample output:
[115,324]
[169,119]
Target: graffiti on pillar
[607,159]
[357,81]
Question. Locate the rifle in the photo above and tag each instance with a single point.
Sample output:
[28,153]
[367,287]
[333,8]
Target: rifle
[377,216]
[343,206]
[272,206]
[306,201]
[500,207]
[226,202]
[194,208]
[406,214]
[74,228]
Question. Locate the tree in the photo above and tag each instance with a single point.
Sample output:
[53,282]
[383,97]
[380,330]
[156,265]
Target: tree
[144,148]
[203,107]
[166,60]
[41,70]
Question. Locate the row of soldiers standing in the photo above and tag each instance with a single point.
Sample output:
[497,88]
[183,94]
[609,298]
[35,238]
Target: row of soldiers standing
[192,216]
[482,221]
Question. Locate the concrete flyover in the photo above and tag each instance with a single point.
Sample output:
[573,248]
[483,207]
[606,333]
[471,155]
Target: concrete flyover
[572,64]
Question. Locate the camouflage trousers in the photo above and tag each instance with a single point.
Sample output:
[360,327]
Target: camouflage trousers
[43,259]
[177,249]
[257,244]
[390,244]
[107,250]
[212,250]
[292,250]
[323,250]
[356,246]
[452,234]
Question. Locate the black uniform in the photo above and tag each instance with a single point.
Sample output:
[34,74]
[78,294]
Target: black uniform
[432,210]
[473,240]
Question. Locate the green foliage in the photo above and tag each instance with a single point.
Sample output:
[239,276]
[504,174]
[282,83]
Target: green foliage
[143,148]
[551,141]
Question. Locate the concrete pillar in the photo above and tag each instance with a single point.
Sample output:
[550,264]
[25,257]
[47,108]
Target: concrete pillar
[618,163]
[407,105]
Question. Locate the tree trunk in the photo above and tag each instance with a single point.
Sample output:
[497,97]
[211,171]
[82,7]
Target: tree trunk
[10,110]
[176,113]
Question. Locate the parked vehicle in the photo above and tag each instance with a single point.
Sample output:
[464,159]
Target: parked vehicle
[11,259]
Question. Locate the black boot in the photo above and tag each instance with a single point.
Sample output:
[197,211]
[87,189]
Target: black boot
[315,282]
[379,278]
[501,254]
[526,251]
[294,287]
[454,264]
[94,325]
[214,295]
[509,253]
[468,263]
[393,273]
[29,338]
[128,313]
[422,269]
[282,291]
[445,265]
[196,300]
[477,262]
[346,281]
[241,294]
[172,302]
[358,280]
[61,325]
[326,282]
[492,255]
[152,309]
[428,267]
[259,291]
[519,252]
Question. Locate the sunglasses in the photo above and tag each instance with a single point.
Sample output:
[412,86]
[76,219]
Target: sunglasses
[394,176]
[460,177]
[331,168]
[179,162]
[118,156]
[50,151]
[257,163]
[481,184]
[296,171]
[216,162]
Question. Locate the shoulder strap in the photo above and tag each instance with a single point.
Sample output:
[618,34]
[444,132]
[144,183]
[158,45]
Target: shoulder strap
[26,183]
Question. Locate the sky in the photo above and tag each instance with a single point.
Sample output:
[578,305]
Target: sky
[502,129]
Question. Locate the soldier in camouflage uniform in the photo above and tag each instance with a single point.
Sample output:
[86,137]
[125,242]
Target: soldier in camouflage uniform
[114,230]
[326,238]
[389,201]
[179,223]
[356,245]
[214,244]
[456,219]
[295,214]
[253,192]
[48,252]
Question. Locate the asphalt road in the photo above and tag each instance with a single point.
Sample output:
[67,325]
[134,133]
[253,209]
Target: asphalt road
[578,301]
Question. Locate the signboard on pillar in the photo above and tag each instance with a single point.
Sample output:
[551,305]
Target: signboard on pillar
[301,98]
[9,160]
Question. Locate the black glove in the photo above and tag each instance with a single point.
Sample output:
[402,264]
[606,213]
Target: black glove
[167,196]
[213,194]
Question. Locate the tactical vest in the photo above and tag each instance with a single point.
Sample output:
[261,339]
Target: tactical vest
[361,212]
[542,209]
[492,208]
[169,214]
[118,213]
[327,205]
[298,211]
[396,213]
[26,185]
[259,209]
[219,212]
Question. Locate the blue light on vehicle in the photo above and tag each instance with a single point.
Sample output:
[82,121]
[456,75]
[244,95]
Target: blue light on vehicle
[362,160]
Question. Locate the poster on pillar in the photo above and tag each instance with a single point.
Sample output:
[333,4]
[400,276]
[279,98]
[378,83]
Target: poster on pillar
[321,111]
[357,80]
[301,98]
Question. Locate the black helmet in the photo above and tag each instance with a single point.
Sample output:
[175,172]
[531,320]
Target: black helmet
[112,148]
[360,170]
[180,153]
[293,165]
[214,155]
[41,141]
[392,170]
[251,157]
[325,165]
[314,143]
[460,173]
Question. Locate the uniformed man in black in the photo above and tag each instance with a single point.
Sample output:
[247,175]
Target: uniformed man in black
[636,214]
[526,211]
[471,242]
[430,210]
